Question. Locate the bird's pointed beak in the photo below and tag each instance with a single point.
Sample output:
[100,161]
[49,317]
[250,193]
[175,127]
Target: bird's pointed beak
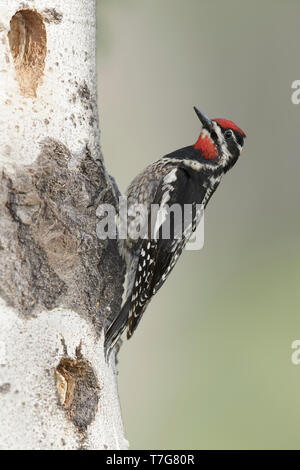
[205,120]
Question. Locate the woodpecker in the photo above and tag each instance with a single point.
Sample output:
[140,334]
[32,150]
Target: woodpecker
[188,176]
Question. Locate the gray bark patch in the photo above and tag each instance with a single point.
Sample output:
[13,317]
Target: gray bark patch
[5,388]
[51,15]
[50,255]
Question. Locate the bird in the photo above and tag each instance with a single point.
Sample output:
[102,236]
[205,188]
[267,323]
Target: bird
[187,177]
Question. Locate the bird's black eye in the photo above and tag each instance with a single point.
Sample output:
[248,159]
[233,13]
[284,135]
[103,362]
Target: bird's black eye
[228,133]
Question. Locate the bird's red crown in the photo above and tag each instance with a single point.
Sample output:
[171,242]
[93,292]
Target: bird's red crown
[227,124]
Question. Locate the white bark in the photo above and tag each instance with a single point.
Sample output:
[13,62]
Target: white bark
[57,282]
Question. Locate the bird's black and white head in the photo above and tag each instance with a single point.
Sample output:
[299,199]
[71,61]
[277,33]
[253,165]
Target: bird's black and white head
[220,142]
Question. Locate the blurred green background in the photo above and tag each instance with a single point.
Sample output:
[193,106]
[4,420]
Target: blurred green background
[210,364]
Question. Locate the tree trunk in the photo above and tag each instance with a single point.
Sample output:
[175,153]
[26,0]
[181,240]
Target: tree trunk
[58,281]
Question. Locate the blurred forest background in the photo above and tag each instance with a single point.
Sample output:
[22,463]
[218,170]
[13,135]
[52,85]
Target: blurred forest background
[210,364]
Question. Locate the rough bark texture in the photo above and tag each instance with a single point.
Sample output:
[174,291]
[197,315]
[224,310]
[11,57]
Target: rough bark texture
[58,281]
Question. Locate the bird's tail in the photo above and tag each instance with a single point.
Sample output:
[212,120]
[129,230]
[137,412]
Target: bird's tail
[116,328]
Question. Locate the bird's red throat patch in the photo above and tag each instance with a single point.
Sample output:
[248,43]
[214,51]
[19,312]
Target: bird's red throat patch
[206,145]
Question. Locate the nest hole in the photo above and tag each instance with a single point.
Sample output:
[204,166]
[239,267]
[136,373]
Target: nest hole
[28,45]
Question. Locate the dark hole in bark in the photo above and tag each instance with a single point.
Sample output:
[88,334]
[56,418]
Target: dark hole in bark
[28,41]
[78,391]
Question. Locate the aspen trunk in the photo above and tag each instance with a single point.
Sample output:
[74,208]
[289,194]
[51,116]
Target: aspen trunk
[58,281]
